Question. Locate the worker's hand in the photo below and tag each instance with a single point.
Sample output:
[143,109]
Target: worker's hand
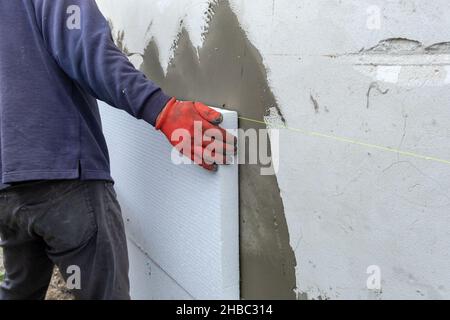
[192,128]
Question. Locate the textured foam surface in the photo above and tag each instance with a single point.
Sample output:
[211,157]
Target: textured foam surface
[181,219]
[149,281]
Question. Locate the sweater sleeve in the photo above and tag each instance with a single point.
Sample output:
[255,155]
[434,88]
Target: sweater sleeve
[79,38]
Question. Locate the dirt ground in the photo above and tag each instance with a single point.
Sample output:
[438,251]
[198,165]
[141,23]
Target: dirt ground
[57,289]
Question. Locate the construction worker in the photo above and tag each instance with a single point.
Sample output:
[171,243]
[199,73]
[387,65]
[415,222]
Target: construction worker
[57,201]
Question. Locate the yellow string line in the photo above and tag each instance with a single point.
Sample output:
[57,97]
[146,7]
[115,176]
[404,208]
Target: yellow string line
[355,142]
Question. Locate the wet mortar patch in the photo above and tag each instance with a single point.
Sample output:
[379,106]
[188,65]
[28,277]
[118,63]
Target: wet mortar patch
[228,71]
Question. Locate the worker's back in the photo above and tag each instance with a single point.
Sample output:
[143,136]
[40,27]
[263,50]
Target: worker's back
[42,127]
[55,57]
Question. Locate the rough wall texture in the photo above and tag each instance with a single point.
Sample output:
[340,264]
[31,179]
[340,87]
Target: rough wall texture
[363,79]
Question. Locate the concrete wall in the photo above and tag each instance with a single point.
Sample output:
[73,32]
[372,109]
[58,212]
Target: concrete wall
[355,82]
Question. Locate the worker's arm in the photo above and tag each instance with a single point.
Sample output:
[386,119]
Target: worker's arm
[83,47]
[79,38]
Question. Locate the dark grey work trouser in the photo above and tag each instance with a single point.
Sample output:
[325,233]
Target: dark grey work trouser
[76,225]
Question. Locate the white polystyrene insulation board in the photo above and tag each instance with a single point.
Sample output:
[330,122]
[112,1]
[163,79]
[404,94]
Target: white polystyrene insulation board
[149,281]
[181,218]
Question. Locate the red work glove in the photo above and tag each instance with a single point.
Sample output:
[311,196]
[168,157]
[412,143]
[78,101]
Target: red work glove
[192,128]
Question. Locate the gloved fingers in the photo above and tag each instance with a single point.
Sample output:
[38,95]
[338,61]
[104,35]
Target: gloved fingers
[198,159]
[210,167]
[195,153]
[208,113]
[197,124]
[220,147]
[220,134]
[207,158]
[210,155]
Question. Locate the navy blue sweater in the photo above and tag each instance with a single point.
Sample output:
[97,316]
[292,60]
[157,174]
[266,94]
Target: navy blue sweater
[54,64]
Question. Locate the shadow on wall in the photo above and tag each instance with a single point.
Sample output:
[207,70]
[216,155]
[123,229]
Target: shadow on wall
[228,71]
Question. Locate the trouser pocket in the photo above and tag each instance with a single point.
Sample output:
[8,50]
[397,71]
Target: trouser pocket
[65,220]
